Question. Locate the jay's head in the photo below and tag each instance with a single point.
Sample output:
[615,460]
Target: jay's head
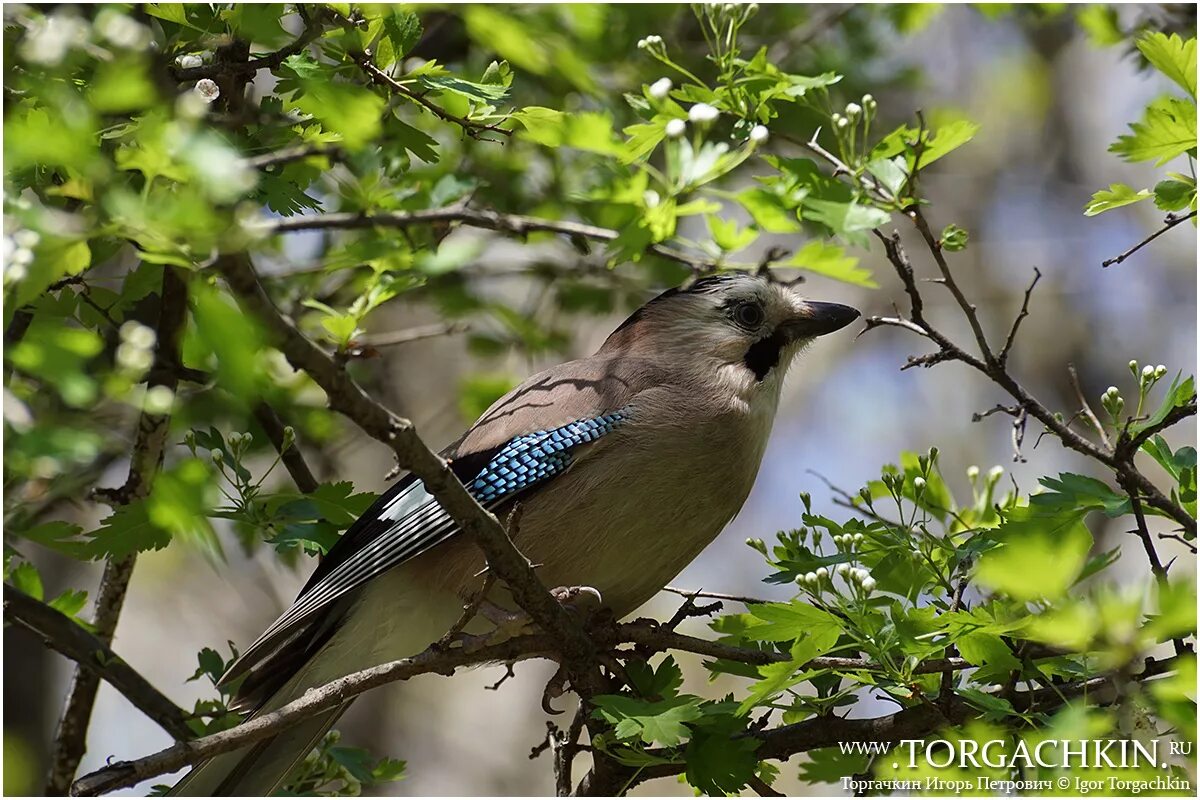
[746,326]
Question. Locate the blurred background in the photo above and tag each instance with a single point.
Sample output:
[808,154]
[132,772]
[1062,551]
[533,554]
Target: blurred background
[1050,97]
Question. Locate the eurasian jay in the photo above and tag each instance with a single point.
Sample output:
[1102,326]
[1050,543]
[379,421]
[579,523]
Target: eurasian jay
[626,465]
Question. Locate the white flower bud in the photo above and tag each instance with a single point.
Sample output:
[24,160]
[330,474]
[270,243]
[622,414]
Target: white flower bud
[836,118]
[158,400]
[133,358]
[1147,371]
[702,113]
[1133,365]
[868,585]
[995,472]
[217,456]
[188,61]
[868,100]
[137,335]
[972,473]
[651,198]
[822,573]
[675,128]
[842,122]
[1160,371]
[15,272]
[858,537]
[843,570]
[660,88]
[21,257]
[859,574]
[810,578]
[1112,391]
[207,89]
[26,238]
[853,110]
[759,134]
[919,484]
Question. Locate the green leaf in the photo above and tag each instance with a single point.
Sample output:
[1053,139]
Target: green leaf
[769,211]
[659,722]
[58,355]
[947,139]
[352,111]
[25,578]
[1167,130]
[233,338]
[488,93]
[126,531]
[1181,392]
[1173,56]
[401,32]
[1115,196]
[987,650]
[954,238]
[719,762]
[832,262]
[727,236]
[1041,552]
[1174,195]
[588,130]
[70,602]
[792,621]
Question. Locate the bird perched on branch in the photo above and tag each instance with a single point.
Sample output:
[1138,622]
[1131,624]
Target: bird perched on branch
[626,464]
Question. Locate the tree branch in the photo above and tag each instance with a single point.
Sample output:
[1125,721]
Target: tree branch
[470,127]
[70,740]
[1170,222]
[512,224]
[916,722]
[313,28]
[63,635]
[440,659]
[290,455]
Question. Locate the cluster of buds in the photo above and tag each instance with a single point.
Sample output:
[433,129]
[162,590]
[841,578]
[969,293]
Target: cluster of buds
[135,354]
[18,254]
[1112,401]
[814,579]
[857,576]
[239,441]
[1148,375]
[653,45]
[847,541]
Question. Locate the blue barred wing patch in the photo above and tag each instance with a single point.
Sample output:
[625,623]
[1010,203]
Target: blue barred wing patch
[411,522]
[533,457]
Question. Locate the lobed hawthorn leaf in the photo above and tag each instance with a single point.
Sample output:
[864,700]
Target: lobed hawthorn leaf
[1167,130]
[1173,56]
[1115,196]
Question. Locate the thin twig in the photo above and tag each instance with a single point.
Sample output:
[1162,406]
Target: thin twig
[1170,222]
[715,596]
[470,127]
[1022,314]
[1085,407]
[512,224]
[291,154]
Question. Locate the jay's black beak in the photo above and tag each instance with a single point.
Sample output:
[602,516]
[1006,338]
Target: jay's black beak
[818,319]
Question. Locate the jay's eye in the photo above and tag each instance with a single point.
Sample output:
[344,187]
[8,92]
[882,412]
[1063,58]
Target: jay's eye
[748,315]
